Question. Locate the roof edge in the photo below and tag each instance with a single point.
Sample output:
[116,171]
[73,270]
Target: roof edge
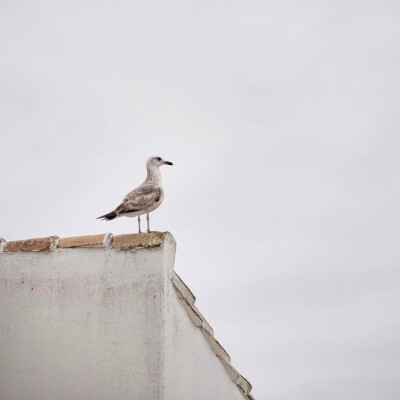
[105,240]
[188,299]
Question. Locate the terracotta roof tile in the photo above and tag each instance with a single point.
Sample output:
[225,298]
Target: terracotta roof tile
[84,241]
[130,241]
[39,244]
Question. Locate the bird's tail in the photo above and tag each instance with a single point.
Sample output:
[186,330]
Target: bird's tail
[108,217]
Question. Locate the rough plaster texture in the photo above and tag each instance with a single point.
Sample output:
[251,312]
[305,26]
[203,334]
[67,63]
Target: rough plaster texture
[101,323]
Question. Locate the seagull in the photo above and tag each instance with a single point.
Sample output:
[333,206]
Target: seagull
[145,198]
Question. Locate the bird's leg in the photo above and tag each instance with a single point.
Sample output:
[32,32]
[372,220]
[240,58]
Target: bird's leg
[148,223]
[138,218]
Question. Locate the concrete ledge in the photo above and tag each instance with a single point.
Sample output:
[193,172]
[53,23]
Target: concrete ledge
[183,289]
[39,244]
[187,299]
[131,241]
[192,311]
[206,326]
[198,319]
[85,241]
[244,384]
[216,347]
[240,381]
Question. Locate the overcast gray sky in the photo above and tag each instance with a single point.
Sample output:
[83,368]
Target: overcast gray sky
[282,120]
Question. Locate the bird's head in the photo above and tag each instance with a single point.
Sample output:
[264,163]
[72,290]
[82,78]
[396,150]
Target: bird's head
[154,162]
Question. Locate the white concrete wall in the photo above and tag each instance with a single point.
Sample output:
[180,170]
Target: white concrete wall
[81,324]
[101,324]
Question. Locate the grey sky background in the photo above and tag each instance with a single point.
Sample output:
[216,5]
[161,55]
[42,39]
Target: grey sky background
[282,120]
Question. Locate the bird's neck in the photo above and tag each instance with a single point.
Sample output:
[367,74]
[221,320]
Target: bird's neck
[154,175]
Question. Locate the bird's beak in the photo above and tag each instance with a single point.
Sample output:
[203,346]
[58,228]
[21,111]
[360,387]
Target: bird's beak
[168,162]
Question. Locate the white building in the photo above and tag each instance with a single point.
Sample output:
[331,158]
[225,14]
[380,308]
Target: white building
[105,318]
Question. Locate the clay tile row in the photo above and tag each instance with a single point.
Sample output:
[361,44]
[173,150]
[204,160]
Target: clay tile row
[119,242]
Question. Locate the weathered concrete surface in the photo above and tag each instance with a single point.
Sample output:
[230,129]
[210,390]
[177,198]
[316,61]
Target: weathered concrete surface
[106,318]
[83,323]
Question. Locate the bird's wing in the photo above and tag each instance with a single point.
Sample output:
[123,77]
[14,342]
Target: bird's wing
[139,199]
[144,188]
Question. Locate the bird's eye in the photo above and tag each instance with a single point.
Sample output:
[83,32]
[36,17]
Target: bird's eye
[158,158]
